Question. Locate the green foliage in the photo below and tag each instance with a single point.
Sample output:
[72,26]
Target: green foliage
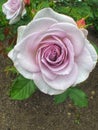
[92,2]
[22,88]
[79,10]
[2,37]
[76,95]
[43,4]
[1,3]
[61,97]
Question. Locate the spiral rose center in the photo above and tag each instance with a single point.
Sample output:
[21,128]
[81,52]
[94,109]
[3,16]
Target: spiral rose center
[53,55]
[53,52]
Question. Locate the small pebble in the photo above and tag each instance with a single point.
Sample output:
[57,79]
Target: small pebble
[69,114]
[91,97]
[93,93]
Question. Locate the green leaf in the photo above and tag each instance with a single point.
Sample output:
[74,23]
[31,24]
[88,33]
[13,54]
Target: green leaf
[61,97]
[22,88]
[78,97]
[1,3]
[43,4]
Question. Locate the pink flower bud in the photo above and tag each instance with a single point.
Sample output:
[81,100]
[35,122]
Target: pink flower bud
[27,2]
[81,23]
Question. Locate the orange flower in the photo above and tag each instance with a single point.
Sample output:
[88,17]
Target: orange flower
[81,23]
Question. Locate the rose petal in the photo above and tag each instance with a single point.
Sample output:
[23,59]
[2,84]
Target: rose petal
[7,11]
[20,33]
[16,17]
[86,62]
[48,73]
[92,51]
[85,32]
[24,56]
[49,13]
[44,87]
[63,82]
[38,25]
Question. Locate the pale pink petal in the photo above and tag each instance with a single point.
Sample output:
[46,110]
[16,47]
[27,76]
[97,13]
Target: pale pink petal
[38,25]
[20,33]
[86,62]
[63,82]
[17,15]
[7,11]
[49,13]
[27,74]
[44,87]
[92,51]
[85,32]
[48,73]
[24,56]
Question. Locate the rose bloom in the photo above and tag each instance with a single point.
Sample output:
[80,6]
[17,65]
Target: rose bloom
[14,10]
[53,52]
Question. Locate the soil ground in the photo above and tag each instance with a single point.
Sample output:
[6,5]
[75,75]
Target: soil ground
[40,112]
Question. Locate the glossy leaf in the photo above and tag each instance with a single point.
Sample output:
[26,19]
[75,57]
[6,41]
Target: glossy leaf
[78,97]
[22,88]
[61,97]
[75,94]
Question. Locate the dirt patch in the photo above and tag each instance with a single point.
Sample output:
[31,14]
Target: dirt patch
[40,112]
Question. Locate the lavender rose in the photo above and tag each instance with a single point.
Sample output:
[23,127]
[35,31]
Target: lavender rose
[54,52]
[14,9]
